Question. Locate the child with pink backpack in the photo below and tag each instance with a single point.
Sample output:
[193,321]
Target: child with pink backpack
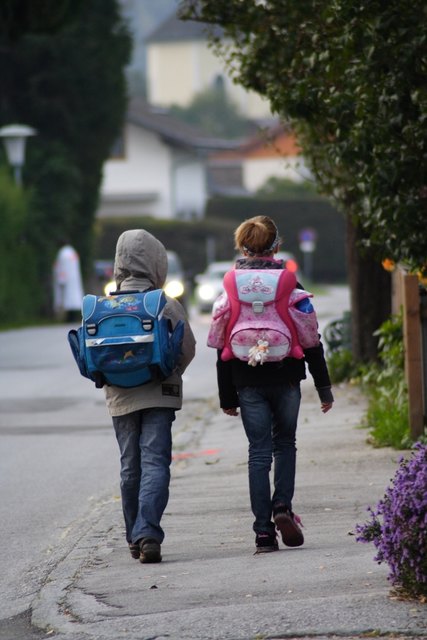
[265,330]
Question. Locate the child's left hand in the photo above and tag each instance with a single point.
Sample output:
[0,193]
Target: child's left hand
[231,412]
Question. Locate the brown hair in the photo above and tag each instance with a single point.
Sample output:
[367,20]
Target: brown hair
[256,236]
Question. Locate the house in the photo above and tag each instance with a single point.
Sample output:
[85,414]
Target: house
[273,151]
[159,167]
[180,64]
[164,168]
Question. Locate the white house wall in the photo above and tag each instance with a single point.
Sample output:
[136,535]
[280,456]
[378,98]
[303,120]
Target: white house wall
[144,171]
[189,186]
[176,72]
[154,179]
[169,74]
[256,171]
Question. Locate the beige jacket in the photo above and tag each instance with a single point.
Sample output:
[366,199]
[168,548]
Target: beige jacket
[140,264]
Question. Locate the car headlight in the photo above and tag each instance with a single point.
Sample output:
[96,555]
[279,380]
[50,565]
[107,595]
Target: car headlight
[110,287]
[206,292]
[174,288]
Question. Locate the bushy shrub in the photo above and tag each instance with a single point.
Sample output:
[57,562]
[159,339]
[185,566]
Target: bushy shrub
[20,290]
[398,525]
[341,366]
[385,386]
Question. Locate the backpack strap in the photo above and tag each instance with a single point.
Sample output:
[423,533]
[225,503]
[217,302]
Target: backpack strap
[230,287]
[287,283]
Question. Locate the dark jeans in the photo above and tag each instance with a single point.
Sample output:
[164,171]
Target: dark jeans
[269,416]
[145,441]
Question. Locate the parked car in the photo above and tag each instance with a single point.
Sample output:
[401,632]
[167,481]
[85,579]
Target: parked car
[209,284]
[175,285]
[104,280]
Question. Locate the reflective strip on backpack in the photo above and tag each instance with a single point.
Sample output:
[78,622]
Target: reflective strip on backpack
[241,351]
[102,342]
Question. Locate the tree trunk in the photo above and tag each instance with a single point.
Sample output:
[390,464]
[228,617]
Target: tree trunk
[370,295]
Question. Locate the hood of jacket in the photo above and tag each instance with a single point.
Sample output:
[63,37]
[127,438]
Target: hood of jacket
[141,261]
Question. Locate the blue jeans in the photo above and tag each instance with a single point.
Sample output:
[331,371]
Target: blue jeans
[145,442]
[269,416]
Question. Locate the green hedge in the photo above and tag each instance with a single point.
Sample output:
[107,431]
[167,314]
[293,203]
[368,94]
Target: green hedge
[329,258]
[189,239]
[212,237]
[20,290]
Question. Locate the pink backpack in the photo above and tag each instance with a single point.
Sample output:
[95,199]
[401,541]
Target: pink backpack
[264,324]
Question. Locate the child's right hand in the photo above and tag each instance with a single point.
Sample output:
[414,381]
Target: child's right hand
[326,406]
[231,412]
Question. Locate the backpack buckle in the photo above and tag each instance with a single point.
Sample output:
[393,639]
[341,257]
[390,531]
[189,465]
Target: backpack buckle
[91,329]
[147,324]
[257,306]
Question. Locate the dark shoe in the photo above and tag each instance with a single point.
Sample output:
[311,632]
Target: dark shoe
[134,550]
[149,550]
[266,543]
[289,526]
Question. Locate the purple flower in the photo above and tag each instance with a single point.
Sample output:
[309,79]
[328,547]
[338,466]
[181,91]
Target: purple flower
[398,525]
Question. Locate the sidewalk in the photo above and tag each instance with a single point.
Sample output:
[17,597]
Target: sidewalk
[210,585]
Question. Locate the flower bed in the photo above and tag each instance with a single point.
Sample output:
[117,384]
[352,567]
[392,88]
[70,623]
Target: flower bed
[398,525]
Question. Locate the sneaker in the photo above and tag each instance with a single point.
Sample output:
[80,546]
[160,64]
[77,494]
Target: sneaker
[134,550]
[288,523]
[266,543]
[149,550]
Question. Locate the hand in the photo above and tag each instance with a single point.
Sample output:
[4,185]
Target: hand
[325,406]
[231,412]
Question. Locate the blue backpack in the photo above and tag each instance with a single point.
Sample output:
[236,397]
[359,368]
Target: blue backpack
[125,340]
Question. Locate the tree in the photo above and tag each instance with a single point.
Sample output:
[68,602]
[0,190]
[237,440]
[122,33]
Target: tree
[65,77]
[351,79]
[214,114]
[276,188]
[19,17]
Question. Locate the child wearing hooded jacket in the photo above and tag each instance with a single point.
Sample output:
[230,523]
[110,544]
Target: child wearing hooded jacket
[143,416]
[269,396]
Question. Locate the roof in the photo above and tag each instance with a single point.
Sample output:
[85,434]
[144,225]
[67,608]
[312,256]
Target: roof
[276,140]
[175,30]
[173,130]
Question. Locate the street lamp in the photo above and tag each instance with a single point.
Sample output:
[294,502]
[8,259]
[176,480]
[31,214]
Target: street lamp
[14,138]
